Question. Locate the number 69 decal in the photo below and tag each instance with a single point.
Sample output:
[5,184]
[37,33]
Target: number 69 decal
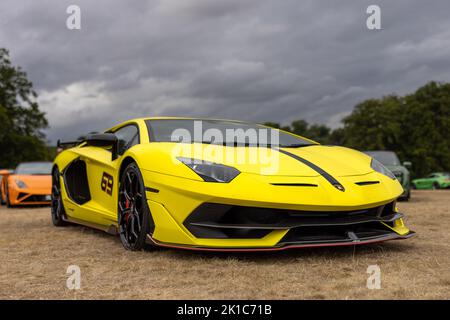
[107,183]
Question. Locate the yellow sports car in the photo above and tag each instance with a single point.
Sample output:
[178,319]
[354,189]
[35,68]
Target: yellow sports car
[209,184]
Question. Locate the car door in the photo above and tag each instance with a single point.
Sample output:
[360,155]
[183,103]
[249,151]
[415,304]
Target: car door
[427,183]
[102,172]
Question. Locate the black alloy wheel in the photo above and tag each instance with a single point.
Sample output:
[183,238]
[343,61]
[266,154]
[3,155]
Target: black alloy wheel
[133,214]
[8,201]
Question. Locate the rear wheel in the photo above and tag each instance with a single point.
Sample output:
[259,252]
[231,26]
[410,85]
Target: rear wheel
[133,214]
[436,186]
[57,209]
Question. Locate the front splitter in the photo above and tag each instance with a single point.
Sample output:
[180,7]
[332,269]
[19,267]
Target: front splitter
[281,247]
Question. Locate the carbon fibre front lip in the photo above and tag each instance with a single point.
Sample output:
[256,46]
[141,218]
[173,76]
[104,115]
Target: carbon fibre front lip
[283,246]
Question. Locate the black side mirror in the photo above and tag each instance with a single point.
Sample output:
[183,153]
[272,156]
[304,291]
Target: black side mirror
[103,140]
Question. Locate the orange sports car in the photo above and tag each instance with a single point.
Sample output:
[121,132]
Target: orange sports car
[29,184]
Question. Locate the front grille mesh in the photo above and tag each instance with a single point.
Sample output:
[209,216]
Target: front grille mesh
[221,221]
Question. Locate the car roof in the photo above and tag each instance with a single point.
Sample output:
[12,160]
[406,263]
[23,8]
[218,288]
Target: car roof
[189,118]
[26,162]
[130,121]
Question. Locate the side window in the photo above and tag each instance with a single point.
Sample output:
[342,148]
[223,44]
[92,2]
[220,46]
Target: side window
[128,136]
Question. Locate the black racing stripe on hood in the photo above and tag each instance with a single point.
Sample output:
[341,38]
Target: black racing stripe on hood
[316,168]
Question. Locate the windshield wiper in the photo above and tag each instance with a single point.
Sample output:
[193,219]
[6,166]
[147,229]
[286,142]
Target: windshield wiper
[247,144]
[233,144]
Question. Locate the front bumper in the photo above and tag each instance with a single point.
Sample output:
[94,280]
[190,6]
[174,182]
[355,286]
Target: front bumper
[445,185]
[280,247]
[270,217]
[29,197]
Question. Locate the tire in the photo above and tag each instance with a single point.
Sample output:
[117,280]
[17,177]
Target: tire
[134,218]
[8,202]
[2,202]
[413,186]
[408,195]
[436,186]
[57,207]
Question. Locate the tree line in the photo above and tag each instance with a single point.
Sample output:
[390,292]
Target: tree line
[416,126]
[21,121]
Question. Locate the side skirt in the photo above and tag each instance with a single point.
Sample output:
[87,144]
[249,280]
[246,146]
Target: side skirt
[112,229]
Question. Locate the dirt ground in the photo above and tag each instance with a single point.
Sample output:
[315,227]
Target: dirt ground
[35,256]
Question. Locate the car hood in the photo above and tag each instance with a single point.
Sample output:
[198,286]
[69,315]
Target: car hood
[33,181]
[303,161]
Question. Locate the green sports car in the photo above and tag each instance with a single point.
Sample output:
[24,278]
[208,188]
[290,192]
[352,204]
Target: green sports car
[436,180]
[391,161]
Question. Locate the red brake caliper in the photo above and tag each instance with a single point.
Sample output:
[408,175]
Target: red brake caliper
[127,205]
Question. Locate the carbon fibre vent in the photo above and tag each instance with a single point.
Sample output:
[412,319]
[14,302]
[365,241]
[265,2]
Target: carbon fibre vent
[295,184]
[366,183]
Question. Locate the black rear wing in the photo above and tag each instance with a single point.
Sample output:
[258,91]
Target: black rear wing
[68,144]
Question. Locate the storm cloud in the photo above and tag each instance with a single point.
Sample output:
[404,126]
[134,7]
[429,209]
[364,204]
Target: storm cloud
[253,60]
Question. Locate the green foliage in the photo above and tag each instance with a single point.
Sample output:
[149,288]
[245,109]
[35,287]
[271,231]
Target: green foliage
[317,132]
[416,127]
[21,122]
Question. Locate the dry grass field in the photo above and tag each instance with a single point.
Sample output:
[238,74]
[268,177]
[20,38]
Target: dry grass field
[35,255]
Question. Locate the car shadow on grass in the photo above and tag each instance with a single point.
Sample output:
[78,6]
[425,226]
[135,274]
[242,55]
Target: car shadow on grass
[382,248]
[25,207]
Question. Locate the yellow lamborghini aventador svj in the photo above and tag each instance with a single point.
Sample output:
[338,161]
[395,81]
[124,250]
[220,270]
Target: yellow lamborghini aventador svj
[209,184]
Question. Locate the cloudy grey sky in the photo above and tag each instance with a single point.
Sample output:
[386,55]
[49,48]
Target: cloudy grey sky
[254,60]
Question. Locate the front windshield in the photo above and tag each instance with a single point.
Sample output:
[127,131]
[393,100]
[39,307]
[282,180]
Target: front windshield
[388,158]
[231,133]
[34,168]
[443,174]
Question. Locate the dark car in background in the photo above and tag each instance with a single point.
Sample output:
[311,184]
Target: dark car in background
[400,170]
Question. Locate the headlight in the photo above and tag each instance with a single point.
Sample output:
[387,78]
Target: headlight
[379,167]
[21,184]
[211,172]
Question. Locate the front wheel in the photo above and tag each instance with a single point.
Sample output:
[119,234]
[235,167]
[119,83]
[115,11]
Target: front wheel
[2,201]
[408,195]
[8,201]
[134,217]
[436,186]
